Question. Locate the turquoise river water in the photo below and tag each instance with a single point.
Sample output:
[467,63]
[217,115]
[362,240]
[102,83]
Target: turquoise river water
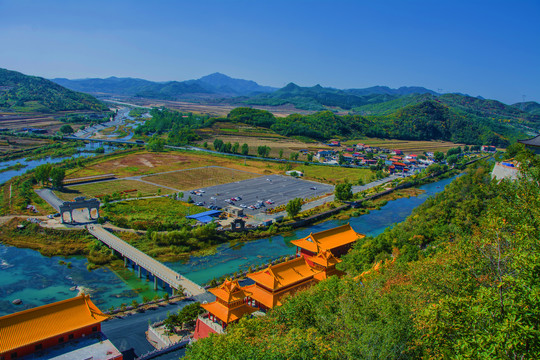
[38,280]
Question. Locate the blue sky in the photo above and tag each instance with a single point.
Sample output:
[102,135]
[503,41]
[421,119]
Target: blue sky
[487,48]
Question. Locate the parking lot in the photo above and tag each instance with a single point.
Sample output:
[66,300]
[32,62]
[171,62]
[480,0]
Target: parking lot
[280,189]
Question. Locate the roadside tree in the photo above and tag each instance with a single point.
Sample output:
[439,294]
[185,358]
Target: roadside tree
[57,177]
[343,191]
[293,207]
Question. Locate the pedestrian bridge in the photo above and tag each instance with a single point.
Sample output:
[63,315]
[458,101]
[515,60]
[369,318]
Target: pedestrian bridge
[142,261]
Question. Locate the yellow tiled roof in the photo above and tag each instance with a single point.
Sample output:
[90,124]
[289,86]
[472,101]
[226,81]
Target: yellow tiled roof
[228,291]
[284,274]
[43,322]
[328,239]
[228,315]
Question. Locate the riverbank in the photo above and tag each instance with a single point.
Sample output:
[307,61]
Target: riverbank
[54,242]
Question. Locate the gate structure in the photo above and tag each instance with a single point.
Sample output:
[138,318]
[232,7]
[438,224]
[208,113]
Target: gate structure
[79,203]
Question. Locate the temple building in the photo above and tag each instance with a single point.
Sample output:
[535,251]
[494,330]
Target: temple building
[276,281]
[67,329]
[230,305]
[317,257]
[337,240]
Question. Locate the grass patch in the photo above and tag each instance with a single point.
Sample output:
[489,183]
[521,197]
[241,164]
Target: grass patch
[150,214]
[407,146]
[100,189]
[51,242]
[334,174]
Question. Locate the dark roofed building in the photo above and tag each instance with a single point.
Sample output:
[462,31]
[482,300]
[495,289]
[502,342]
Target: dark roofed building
[532,144]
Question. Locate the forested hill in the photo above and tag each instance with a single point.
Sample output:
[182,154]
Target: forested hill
[23,93]
[319,98]
[457,280]
[427,120]
[532,107]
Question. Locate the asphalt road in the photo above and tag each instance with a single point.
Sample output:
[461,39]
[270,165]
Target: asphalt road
[50,198]
[128,334]
[278,188]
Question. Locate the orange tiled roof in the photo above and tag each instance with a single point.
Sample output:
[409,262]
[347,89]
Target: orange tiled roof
[229,291]
[325,258]
[284,274]
[263,296]
[328,239]
[43,322]
[228,315]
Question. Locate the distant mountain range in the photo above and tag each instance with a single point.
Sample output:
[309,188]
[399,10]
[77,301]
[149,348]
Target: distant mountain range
[213,85]
[378,104]
[23,93]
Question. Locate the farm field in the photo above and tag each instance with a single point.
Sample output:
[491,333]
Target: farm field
[11,144]
[407,146]
[35,120]
[190,179]
[255,137]
[99,189]
[334,174]
[147,163]
[216,109]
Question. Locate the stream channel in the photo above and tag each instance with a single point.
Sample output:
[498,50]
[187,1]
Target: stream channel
[38,280]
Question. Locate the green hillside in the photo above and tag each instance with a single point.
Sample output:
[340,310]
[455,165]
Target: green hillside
[532,107]
[23,93]
[427,120]
[456,280]
[316,98]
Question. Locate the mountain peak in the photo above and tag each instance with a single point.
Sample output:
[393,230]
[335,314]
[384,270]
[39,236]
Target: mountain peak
[215,76]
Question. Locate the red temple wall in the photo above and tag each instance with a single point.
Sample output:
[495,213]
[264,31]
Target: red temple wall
[50,342]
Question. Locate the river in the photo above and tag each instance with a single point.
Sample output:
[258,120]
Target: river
[39,280]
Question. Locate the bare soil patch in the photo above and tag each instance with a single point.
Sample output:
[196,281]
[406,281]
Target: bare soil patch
[199,178]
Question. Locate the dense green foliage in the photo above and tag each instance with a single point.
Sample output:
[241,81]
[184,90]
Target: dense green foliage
[343,191]
[294,207]
[317,98]
[428,120]
[187,315]
[22,93]
[178,126]
[531,107]
[457,279]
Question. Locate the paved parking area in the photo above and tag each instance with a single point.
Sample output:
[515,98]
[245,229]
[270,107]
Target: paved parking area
[278,188]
